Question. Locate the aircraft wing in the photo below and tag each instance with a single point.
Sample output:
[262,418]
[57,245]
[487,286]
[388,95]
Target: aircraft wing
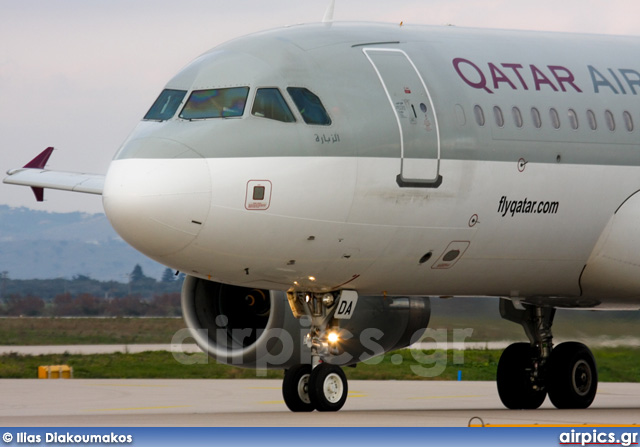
[34,175]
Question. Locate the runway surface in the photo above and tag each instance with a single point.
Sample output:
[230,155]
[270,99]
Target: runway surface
[142,402]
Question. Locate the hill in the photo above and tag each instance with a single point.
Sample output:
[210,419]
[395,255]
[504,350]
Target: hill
[42,245]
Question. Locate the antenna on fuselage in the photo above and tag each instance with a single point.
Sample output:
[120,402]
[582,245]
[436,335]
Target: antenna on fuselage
[328,14]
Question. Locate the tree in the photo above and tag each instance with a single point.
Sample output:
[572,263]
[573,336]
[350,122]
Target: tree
[140,284]
[137,274]
[168,276]
[165,305]
[81,277]
[5,276]
[132,306]
[29,306]
[87,304]
[63,305]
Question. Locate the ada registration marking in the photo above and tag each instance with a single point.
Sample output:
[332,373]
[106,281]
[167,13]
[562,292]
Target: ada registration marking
[346,305]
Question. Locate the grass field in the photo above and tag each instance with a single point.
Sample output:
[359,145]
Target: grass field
[85,331]
[486,327]
[614,365]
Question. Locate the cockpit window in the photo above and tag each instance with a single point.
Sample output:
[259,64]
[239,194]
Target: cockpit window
[270,104]
[166,105]
[215,103]
[310,106]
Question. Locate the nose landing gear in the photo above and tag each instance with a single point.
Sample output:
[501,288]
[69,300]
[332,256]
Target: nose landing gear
[329,388]
[319,386]
[295,388]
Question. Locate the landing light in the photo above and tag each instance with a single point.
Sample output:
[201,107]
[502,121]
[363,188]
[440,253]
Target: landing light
[328,300]
[333,337]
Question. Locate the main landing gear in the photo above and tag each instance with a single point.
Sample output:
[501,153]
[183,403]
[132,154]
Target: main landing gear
[319,386]
[528,372]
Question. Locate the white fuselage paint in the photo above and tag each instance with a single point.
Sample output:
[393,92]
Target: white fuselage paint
[368,230]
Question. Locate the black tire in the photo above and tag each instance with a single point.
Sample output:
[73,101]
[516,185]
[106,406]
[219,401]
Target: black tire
[514,378]
[573,377]
[328,387]
[295,388]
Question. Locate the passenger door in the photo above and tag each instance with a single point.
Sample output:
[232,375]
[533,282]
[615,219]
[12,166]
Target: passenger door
[411,103]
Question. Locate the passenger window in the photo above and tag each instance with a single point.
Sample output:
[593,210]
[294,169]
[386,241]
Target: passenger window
[611,122]
[591,118]
[479,114]
[215,103]
[166,105]
[573,119]
[460,116]
[497,112]
[628,121]
[517,117]
[270,104]
[535,117]
[310,106]
[555,118]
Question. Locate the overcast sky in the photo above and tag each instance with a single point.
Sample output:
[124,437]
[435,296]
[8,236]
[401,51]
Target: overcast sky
[79,74]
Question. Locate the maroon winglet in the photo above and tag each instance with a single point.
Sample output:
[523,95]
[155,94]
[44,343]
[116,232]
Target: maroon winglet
[39,163]
[38,192]
[41,160]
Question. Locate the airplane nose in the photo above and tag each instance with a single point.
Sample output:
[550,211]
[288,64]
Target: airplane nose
[158,205]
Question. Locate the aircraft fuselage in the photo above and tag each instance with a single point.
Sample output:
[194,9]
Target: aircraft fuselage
[454,162]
